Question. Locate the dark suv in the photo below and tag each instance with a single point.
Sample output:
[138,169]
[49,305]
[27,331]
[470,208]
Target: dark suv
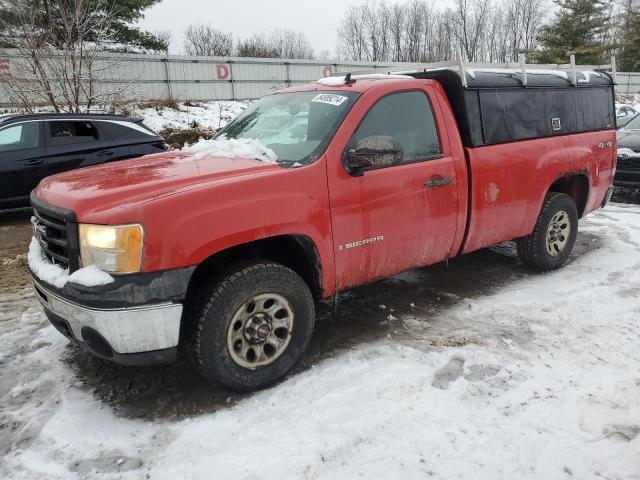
[628,169]
[35,146]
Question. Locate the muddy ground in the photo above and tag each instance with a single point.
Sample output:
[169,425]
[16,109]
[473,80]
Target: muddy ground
[15,233]
[365,314]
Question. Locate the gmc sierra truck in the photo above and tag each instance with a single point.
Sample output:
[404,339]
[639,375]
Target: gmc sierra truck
[223,258]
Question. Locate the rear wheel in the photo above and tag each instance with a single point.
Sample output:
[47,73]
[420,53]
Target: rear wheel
[552,240]
[252,326]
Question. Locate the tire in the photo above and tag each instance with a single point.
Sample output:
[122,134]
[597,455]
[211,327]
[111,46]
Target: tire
[260,307]
[552,240]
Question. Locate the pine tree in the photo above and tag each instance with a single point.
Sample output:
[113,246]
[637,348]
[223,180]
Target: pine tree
[122,15]
[629,57]
[580,27]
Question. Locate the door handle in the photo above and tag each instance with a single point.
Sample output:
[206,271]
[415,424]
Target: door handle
[106,153]
[34,162]
[438,182]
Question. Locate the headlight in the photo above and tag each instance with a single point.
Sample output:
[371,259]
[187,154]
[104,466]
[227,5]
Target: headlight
[114,249]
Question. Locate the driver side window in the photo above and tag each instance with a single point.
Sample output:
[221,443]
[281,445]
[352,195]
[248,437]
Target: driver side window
[23,136]
[407,118]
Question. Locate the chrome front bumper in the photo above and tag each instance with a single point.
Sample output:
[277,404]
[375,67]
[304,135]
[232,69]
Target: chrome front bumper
[130,330]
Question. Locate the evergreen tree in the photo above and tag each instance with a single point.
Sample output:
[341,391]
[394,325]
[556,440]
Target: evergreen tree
[122,15]
[629,57]
[580,27]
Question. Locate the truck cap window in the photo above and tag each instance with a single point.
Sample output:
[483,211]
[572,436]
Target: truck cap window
[20,137]
[296,126]
[408,118]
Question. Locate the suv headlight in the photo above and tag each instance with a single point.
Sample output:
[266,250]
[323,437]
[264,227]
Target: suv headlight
[112,248]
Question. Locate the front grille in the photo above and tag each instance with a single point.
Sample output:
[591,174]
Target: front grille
[629,164]
[56,229]
[51,233]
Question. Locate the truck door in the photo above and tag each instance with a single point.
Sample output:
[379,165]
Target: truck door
[396,216]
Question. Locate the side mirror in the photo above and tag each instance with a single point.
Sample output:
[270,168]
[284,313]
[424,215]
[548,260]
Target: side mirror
[373,151]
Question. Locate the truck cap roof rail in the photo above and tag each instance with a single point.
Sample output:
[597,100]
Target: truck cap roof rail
[342,79]
[467,70]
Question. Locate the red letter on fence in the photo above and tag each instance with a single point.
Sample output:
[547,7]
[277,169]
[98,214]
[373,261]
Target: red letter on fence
[326,71]
[5,67]
[222,71]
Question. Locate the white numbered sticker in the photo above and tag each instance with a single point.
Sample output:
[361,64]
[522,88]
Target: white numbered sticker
[329,98]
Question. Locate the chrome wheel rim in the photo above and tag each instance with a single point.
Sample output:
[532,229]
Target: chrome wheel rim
[260,330]
[558,233]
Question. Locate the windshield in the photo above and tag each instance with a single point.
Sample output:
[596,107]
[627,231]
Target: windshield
[296,126]
[634,124]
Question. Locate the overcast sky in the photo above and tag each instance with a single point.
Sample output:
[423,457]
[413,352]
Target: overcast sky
[318,20]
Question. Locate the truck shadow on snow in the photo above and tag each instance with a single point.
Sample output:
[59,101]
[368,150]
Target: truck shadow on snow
[365,314]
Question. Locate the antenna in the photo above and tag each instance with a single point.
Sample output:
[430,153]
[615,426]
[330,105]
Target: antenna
[348,79]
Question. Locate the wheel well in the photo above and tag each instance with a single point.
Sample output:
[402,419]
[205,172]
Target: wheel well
[297,252]
[577,187]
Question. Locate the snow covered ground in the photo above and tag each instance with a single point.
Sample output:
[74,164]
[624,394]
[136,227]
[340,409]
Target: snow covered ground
[480,370]
[214,114]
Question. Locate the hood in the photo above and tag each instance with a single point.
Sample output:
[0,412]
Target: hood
[130,182]
[629,139]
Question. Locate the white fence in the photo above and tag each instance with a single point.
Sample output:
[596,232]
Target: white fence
[146,77]
[628,82]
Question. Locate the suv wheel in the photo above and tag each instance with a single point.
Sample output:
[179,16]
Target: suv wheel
[252,326]
[553,238]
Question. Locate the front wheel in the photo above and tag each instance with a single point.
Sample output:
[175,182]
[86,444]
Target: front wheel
[552,240]
[252,326]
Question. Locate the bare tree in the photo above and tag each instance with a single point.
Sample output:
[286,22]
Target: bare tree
[422,31]
[470,25]
[396,30]
[60,66]
[326,56]
[522,22]
[256,45]
[165,37]
[290,44]
[278,44]
[205,40]
[351,34]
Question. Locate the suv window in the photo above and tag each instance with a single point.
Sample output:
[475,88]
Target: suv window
[67,133]
[20,137]
[126,131]
[408,118]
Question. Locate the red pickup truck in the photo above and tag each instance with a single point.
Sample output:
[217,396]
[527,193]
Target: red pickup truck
[224,257]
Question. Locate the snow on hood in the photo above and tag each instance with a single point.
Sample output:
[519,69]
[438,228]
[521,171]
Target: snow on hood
[231,147]
[55,275]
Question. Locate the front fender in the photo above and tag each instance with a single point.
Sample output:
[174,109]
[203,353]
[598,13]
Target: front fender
[187,228]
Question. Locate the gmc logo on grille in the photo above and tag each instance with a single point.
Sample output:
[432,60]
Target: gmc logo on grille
[40,231]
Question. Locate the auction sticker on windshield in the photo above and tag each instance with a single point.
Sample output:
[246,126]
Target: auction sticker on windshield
[329,98]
